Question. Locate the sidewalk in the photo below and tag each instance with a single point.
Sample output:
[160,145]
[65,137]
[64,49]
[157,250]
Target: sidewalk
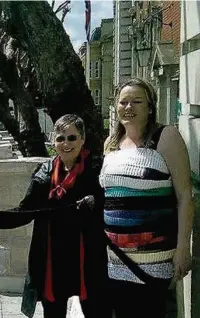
[10,307]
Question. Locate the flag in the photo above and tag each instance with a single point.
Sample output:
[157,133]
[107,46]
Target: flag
[87,19]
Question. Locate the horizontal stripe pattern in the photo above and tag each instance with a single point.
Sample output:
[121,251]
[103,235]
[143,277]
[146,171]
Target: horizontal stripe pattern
[140,212]
[124,161]
[115,180]
[134,240]
[122,272]
[143,258]
[136,213]
[162,226]
[147,174]
[129,203]
[132,219]
[141,241]
[127,192]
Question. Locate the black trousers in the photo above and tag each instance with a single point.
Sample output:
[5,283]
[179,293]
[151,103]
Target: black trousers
[58,309]
[131,300]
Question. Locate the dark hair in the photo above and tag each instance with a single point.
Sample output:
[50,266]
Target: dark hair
[70,119]
[119,131]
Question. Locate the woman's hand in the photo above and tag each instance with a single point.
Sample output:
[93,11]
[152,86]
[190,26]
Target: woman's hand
[87,201]
[182,264]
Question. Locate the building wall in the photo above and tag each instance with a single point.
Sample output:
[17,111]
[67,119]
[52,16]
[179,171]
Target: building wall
[100,50]
[107,64]
[122,42]
[172,13]
[189,126]
[95,56]
[122,50]
[82,54]
[190,22]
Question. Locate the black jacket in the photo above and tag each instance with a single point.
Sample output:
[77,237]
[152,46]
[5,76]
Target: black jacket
[66,223]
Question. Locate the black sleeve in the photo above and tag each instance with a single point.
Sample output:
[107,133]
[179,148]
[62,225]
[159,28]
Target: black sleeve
[31,205]
[96,190]
[95,239]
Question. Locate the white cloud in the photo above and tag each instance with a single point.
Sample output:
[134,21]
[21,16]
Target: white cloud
[75,20]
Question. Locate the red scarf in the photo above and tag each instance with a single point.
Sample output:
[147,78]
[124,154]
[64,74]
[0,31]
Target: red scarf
[58,190]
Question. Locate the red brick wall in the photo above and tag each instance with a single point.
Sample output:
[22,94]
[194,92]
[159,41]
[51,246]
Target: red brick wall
[172,14]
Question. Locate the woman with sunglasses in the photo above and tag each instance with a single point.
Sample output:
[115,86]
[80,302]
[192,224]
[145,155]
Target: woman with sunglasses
[67,254]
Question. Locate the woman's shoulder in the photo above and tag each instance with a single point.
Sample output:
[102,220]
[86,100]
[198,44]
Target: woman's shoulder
[163,133]
[170,141]
[169,134]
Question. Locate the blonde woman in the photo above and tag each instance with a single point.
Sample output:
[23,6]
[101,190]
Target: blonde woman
[148,208]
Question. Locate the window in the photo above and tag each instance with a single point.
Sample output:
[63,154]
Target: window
[97,69]
[91,69]
[97,96]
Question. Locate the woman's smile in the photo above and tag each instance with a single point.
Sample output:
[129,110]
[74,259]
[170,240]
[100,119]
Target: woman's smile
[68,150]
[129,115]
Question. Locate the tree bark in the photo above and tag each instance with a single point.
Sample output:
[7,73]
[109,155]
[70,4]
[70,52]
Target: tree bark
[59,71]
[30,136]
[9,122]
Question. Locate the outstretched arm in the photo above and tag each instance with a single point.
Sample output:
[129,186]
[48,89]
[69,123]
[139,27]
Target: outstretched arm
[173,149]
[29,208]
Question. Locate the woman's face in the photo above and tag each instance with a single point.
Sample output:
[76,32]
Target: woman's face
[68,144]
[132,106]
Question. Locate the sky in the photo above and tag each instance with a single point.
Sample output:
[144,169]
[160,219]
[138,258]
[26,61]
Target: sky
[75,20]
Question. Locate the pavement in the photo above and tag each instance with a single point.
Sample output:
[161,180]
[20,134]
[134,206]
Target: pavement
[10,307]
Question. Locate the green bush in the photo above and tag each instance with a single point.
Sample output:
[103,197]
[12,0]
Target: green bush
[51,151]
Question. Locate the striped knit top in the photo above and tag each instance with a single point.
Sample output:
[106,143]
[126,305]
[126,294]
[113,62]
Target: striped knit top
[140,212]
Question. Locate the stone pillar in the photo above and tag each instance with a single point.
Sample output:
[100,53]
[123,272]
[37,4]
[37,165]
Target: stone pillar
[189,126]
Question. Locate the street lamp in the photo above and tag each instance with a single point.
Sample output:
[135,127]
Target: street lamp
[143,45]
[143,56]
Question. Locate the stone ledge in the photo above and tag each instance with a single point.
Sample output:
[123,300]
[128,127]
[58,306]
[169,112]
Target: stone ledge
[20,165]
[11,284]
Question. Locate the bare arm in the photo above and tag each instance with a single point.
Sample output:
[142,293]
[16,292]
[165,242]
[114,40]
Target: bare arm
[173,149]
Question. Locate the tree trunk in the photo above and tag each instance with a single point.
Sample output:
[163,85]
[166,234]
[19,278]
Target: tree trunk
[9,122]
[30,135]
[59,71]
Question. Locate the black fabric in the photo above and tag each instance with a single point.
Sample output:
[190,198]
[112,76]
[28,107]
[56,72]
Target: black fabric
[156,136]
[148,174]
[58,309]
[130,300]
[141,203]
[66,224]
[54,310]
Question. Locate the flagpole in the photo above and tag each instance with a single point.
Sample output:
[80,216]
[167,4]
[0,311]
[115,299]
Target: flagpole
[88,63]
[87,29]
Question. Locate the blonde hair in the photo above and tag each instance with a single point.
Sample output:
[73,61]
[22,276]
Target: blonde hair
[112,143]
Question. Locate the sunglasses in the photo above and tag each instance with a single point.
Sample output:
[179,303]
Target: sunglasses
[68,138]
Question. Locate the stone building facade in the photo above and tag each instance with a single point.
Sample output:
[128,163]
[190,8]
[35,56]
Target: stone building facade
[189,127]
[97,59]
[147,44]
